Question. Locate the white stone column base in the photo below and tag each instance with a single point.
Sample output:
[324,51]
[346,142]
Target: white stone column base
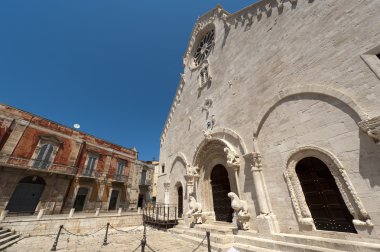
[267,224]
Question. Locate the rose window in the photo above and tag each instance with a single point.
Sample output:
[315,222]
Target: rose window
[204,48]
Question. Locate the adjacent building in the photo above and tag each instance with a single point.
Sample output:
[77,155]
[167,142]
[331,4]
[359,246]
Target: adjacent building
[46,165]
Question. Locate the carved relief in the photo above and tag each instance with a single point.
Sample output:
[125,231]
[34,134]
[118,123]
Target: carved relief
[233,159]
[349,195]
[371,127]
[204,77]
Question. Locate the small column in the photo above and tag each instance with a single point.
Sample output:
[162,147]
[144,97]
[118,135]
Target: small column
[40,214]
[167,187]
[97,211]
[256,170]
[233,161]
[119,211]
[72,210]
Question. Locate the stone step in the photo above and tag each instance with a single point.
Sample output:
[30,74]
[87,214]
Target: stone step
[8,233]
[9,238]
[279,245]
[196,241]
[344,245]
[214,237]
[249,248]
[9,243]
[2,231]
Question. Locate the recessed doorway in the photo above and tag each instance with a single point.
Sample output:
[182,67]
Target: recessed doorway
[220,188]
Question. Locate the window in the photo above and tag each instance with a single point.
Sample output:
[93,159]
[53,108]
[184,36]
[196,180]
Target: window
[163,169]
[43,159]
[203,48]
[143,177]
[91,163]
[120,168]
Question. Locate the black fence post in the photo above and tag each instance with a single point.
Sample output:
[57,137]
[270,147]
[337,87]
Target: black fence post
[105,237]
[208,241]
[54,248]
[143,241]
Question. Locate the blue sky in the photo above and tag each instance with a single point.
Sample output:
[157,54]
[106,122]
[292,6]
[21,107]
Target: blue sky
[110,65]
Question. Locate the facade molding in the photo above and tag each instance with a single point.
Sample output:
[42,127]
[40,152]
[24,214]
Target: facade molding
[271,104]
[348,192]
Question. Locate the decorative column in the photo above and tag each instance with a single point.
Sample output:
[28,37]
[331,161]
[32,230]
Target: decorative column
[192,177]
[233,162]
[256,170]
[166,197]
[266,220]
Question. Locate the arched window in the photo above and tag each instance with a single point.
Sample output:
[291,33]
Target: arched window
[43,159]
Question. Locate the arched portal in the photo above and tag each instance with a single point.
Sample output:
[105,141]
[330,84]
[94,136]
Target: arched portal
[26,196]
[180,202]
[220,188]
[323,197]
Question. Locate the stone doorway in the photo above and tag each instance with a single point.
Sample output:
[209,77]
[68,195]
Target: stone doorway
[180,202]
[26,196]
[220,188]
[80,199]
[113,200]
[323,197]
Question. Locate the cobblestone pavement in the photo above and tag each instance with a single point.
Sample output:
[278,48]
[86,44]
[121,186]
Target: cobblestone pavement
[117,241]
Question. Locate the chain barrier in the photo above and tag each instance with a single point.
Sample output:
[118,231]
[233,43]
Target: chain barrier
[204,238]
[136,248]
[126,231]
[89,234]
[150,247]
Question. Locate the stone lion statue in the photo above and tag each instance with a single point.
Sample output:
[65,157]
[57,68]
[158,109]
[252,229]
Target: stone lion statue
[232,157]
[240,206]
[194,207]
[192,170]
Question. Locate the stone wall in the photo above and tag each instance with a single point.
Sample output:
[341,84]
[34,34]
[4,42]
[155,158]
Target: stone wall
[77,224]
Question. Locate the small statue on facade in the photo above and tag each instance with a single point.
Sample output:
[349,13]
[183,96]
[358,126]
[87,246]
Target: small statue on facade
[232,157]
[207,134]
[240,211]
[195,211]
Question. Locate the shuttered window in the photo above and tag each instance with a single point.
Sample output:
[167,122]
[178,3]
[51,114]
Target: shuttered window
[43,159]
[90,165]
[120,168]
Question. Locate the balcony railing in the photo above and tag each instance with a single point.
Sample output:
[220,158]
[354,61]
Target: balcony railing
[35,164]
[147,182]
[90,173]
[120,178]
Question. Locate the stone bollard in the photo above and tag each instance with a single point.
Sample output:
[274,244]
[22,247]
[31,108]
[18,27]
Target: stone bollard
[40,214]
[97,212]
[72,210]
[119,212]
[138,209]
[4,214]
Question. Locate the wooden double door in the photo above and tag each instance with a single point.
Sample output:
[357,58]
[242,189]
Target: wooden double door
[220,188]
[323,197]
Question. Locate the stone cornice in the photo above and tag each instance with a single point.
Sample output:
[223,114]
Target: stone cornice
[176,101]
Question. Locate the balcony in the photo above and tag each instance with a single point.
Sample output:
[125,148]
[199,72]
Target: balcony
[90,174]
[145,185]
[120,178]
[38,165]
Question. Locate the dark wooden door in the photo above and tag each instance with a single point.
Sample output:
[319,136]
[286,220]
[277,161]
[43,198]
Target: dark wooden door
[220,188]
[26,196]
[113,200]
[323,197]
[80,199]
[180,202]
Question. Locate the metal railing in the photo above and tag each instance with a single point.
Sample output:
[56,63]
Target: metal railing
[28,163]
[120,178]
[161,215]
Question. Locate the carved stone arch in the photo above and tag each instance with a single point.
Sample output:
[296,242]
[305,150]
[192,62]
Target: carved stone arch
[352,108]
[348,192]
[180,157]
[223,135]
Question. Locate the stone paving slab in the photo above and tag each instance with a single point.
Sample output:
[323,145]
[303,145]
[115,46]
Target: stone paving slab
[117,241]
